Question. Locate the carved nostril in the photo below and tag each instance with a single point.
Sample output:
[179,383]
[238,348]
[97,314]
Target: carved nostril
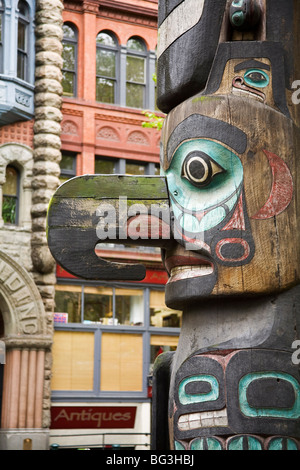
[238,81]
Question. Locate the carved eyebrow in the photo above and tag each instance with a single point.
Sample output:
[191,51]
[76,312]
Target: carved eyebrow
[198,126]
[247,64]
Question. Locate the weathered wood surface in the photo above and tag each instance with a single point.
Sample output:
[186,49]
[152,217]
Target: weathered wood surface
[230,150]
[86,207]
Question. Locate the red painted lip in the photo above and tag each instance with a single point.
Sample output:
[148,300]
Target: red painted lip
[179,260]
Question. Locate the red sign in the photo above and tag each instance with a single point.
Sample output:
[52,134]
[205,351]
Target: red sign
[92,417]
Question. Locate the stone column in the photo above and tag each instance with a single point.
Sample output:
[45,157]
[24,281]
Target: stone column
[47,143]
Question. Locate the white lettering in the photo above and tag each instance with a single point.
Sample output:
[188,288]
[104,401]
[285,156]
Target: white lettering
[296,94]
[296,354]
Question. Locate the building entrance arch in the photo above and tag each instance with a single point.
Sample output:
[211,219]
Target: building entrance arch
[27,335]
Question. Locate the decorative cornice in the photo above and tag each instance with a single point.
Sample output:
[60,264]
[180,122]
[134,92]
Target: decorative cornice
[124,120]
[116,10]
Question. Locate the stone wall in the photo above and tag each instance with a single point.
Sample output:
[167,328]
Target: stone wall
[46,155]
[47,128]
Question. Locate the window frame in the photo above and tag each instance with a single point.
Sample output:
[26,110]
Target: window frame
[2,26]
[116,50]
[73,42]
[68,174]
[16,197]
[120,165]
[145,85]
[145,330]
[23,53]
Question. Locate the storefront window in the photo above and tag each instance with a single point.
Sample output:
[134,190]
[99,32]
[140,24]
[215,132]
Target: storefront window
[118,331]
[129,307]
[121,362]
[67,304]
[98,305]
[160,314]
[160,344]
[73,361]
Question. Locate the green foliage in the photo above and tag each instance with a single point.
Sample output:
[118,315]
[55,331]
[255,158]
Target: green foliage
[9,210]
[155,122]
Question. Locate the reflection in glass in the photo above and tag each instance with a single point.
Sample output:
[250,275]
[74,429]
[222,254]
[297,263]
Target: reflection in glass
[133,168]
[129,307]
[69,56]
[10,196]
[104,166]
[135,73]
[106,68]
[68,301]
[98,304]
[23,22]
[160,314]
[160,344]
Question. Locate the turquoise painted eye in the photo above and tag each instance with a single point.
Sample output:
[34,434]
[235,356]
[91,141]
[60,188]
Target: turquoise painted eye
[200,169]
[257,78]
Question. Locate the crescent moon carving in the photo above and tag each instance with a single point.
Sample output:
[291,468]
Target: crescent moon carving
[282,188]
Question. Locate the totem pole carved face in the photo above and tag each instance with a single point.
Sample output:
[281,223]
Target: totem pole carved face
[231,179]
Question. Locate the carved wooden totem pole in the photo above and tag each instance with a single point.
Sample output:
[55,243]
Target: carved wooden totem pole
[227,204]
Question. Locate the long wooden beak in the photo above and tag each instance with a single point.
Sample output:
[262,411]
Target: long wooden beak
[87,210]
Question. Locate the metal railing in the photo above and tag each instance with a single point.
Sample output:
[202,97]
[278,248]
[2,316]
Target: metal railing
[106,441]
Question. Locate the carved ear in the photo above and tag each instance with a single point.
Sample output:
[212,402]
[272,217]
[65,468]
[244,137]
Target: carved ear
[91,209]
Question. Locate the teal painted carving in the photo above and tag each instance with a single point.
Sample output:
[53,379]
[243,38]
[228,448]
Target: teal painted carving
[205,181]
[211,394]
[253,412]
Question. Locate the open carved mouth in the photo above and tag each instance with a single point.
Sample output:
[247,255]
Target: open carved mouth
[203,419]
[188,266]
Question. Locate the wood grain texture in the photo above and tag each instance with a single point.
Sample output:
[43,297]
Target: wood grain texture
[73,223]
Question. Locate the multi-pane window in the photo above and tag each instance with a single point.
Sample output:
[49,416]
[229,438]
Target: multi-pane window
[107,337]
[107,166]
[106,68]
[69,60]
[10,191]
[135,73]
[67,167]
[100,304]
[23,25]
[1,34]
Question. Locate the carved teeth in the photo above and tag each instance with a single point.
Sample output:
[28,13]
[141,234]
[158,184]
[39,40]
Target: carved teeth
[186,272]
[238,91]
[205,419]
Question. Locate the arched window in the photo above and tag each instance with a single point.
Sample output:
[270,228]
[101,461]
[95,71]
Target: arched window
[23,25]
[136,73]
[69,70]
[1,34]
[10,190]
[106,68]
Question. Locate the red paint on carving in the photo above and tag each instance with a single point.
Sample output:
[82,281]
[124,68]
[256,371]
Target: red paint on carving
[237,221]
[239,241]
[282,189]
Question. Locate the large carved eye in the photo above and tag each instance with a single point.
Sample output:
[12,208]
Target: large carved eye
[257,78]
[199,169]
